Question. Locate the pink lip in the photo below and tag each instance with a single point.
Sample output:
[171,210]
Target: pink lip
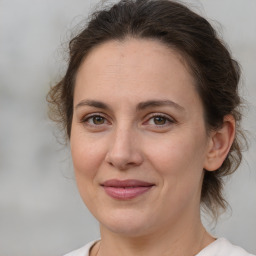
[126,189]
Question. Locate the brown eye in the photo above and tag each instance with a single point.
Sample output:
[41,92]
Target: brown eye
[159,120]
[97,120]
[94,120]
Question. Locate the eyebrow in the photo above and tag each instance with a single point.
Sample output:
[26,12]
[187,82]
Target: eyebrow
[159,103]
[140,106]
[92,103]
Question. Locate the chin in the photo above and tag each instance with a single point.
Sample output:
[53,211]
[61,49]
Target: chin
[125,222]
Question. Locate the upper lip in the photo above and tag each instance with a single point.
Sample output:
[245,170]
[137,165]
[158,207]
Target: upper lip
[126,183]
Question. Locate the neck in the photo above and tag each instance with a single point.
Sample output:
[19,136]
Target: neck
[185,240]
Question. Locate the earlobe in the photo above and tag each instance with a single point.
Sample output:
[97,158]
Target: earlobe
[220,143]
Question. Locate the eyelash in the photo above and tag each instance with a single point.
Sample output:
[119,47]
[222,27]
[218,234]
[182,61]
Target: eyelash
[86,119]
[167,120]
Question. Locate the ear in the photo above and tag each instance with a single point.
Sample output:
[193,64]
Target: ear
[219,144]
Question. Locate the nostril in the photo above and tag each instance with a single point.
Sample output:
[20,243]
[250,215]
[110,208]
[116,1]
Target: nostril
[123,162]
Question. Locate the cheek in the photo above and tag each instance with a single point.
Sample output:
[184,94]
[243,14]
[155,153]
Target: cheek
[87,155]
[175,152]
[179,160]
[87,151]
[87,158]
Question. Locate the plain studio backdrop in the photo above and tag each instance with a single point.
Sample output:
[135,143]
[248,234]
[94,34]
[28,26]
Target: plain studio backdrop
[41,213]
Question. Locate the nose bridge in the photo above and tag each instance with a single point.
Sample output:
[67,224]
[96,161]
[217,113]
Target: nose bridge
[124,151]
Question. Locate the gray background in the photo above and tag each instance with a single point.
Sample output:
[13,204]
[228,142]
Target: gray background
[41,212]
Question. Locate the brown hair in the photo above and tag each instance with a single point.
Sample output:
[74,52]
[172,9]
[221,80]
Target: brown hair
[216,73]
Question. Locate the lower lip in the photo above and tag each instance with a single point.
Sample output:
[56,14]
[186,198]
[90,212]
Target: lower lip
[126,193]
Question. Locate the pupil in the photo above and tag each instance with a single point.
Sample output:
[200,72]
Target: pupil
[159,120]
[98,120]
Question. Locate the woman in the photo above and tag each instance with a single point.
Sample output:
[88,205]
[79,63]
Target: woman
[150,105]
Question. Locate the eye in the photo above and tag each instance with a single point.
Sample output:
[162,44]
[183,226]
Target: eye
[159,120]
[97,120]
[94,120]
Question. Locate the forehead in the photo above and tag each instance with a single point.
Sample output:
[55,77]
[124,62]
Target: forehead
[135,68]
[136,52]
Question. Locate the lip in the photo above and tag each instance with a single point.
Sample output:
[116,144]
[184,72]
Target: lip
[126,189]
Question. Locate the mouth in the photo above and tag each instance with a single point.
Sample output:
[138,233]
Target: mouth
[126,189]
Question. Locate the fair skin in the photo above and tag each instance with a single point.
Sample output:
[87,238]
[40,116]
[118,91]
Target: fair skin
[138,116]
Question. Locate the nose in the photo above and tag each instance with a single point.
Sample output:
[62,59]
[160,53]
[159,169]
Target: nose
[124,151]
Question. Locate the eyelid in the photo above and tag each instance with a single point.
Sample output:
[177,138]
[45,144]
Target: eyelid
[86,117]
[169,119]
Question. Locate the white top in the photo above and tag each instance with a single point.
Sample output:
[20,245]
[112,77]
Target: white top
[220,247]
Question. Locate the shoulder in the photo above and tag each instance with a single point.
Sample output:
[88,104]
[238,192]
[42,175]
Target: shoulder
[222,247]
[83,251]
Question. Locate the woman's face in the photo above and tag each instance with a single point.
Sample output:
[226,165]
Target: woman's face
[138,137]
